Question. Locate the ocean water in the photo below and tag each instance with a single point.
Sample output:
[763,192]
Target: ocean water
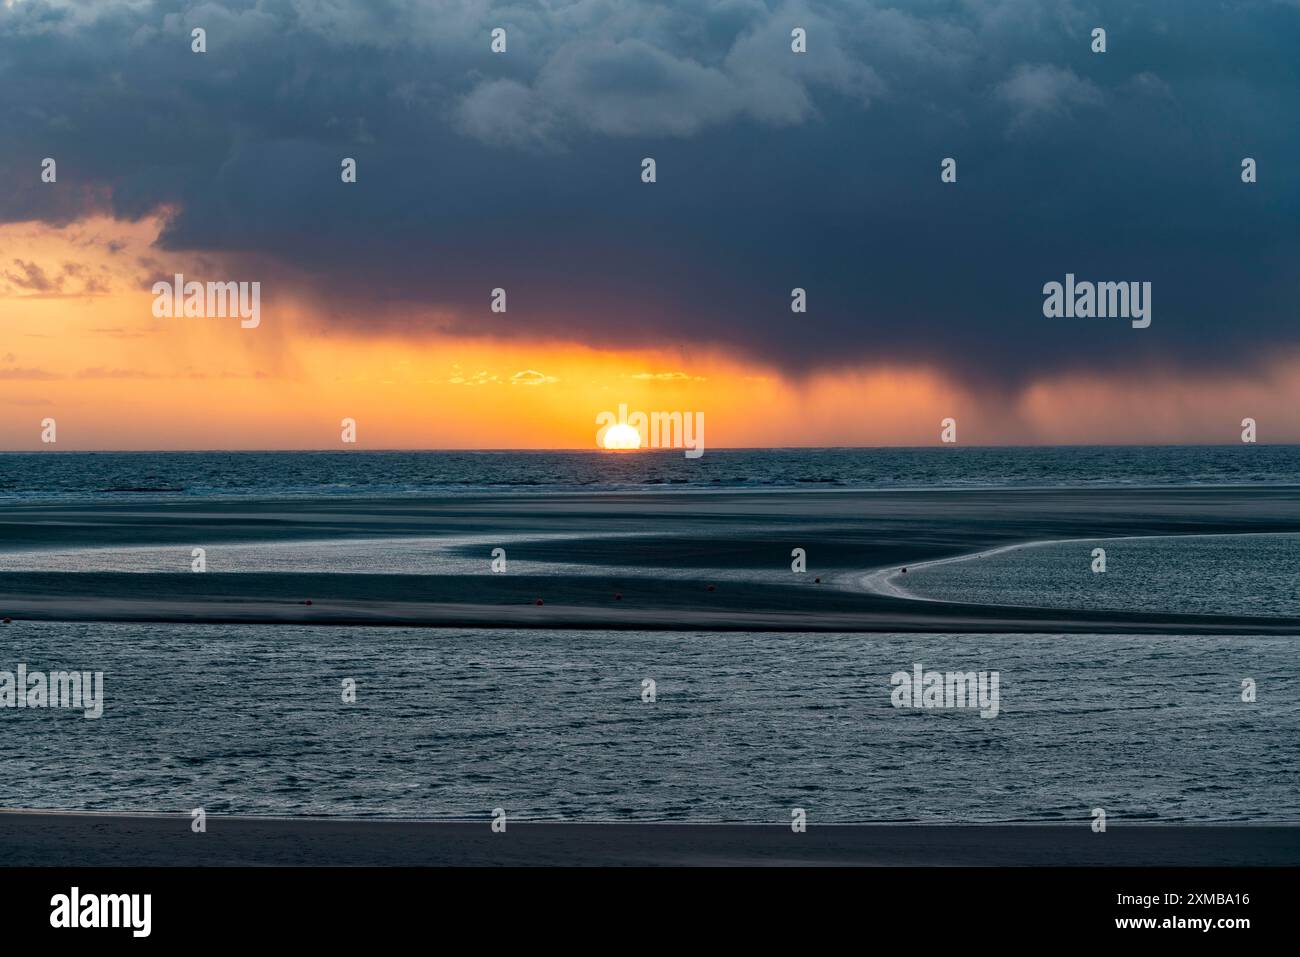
[450,723]
[129,476]
[551,726]
[1189,574]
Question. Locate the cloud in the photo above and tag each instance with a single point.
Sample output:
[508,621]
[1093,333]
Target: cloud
[39,284]
[1040,89]
[482,377]
[608,81]
[531,377]
[668,377]
[775,170]
[99,372]
[32,276]
[1149,84]
[26,373]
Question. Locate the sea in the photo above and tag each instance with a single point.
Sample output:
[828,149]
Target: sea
[449,724]
[130,476]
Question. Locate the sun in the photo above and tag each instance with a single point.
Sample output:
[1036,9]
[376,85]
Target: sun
[622,438]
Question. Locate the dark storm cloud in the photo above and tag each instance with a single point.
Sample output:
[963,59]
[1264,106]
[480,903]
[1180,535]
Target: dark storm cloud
[775,170]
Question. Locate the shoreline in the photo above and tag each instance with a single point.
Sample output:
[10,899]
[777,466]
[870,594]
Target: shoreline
[618,561]
[954,617]
[38,838]
[880,581]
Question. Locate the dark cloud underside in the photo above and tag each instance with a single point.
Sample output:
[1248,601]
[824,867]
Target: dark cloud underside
[775,170]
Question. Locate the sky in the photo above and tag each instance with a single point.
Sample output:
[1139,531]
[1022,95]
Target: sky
[522,170]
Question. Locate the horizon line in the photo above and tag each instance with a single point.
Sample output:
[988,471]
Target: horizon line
[652,451]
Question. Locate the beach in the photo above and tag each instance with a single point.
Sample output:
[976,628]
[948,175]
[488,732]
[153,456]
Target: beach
[714,560]
[35,840]
[500,644]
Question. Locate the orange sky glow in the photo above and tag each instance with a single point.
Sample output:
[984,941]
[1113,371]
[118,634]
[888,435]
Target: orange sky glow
[79,343]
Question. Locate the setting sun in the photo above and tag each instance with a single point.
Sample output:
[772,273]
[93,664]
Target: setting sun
[622,438]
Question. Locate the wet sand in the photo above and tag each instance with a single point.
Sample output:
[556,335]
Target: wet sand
[30,838]
[847,536]
[801,617]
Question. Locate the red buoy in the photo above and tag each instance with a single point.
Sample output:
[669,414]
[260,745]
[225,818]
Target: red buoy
[539,601]
[710,588]
[618,596]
